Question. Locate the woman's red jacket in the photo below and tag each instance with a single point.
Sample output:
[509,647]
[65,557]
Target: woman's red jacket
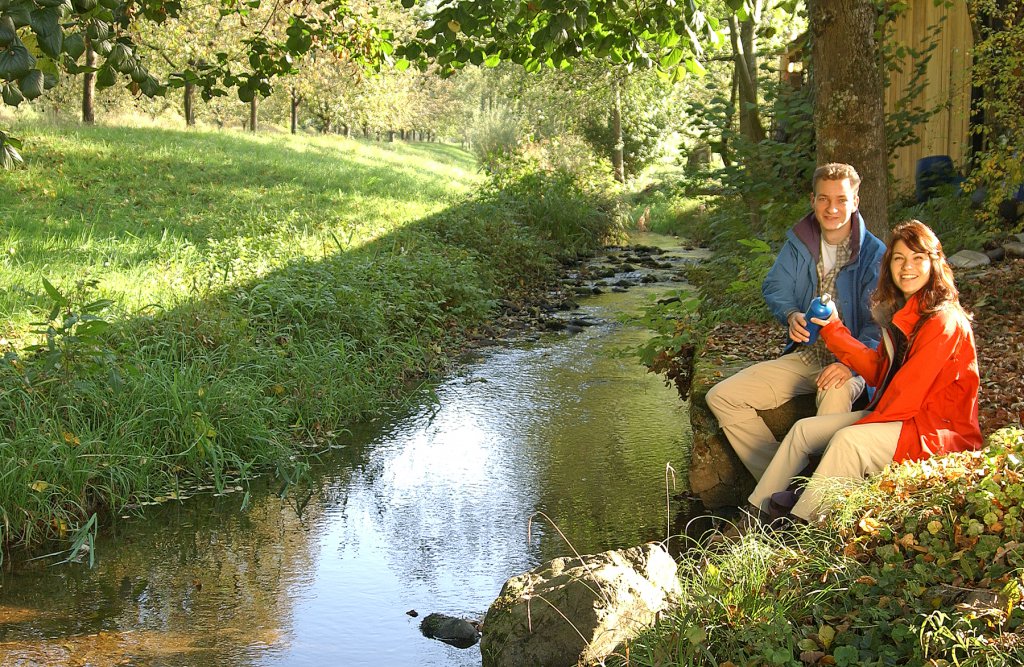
[934,393]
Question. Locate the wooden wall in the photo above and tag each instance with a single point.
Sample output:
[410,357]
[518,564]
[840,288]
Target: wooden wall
[948,83]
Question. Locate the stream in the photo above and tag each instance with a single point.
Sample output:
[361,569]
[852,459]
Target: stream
[529,451]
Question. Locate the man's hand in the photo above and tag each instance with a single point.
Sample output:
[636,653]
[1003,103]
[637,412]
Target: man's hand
[798,327]
[833,376]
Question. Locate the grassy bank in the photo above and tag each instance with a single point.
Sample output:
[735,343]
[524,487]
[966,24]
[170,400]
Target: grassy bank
[187,306]
[922,566]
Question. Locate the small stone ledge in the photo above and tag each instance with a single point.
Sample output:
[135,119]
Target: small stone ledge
[717,476]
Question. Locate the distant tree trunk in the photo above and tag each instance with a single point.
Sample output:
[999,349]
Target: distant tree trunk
[189,103]
[722,145]
[345,131]
[252,114]
[618,167]
[296,100]
[744,49]
[89,86]
[849,102]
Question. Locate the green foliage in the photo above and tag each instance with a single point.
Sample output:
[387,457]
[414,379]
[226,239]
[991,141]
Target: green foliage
[769,176]
[730,282]
[998,62]
[574,212]
[72,337]
[494,138]
[39,40]
[922,565]
[645,119]
[672,211]
[950,215]
[678,334]
[9,155]
[539,35]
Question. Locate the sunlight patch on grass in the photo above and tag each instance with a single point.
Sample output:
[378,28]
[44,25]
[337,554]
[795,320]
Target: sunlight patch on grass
[191,211]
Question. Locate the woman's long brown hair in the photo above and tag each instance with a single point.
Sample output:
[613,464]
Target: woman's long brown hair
[938,293]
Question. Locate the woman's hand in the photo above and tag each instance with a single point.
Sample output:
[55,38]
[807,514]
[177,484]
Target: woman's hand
[832,317]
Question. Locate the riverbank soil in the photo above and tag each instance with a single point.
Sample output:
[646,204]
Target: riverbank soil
[994,295]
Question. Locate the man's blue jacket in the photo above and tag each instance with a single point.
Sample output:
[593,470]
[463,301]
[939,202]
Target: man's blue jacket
[793,279]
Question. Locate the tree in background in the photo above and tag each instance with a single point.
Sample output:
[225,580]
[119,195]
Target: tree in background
[649,110]
[645,34]
[39,39]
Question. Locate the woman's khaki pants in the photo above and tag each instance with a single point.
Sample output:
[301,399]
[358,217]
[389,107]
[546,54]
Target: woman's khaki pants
[851,451]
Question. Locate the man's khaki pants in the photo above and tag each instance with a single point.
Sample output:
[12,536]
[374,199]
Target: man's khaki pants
[851,451]
[765,386]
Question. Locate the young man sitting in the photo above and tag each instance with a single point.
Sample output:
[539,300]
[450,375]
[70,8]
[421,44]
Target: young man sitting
[829,251]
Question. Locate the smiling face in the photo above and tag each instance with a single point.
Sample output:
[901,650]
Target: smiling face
[910,270]
[834,202]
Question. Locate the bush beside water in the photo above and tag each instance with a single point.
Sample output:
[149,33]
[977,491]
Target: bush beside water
[234,338]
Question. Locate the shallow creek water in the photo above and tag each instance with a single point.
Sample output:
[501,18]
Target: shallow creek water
[427,511]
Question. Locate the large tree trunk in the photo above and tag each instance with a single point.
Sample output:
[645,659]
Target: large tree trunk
[744,49]
[252,114]
[849,102]
[89,86]
[618,164]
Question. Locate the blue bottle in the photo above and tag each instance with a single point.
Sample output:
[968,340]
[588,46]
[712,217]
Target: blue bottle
[821,307]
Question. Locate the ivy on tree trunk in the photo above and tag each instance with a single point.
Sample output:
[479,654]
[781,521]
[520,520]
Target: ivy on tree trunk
[617,151]
[744,48]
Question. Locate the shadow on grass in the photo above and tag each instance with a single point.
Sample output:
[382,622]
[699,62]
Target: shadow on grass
[254,371]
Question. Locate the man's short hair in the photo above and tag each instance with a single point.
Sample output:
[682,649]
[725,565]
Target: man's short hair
[835,171]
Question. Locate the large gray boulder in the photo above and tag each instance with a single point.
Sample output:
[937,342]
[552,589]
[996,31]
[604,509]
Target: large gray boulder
[717,476]
[573,611]
[969,259]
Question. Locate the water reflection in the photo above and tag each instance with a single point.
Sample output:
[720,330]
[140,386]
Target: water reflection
[425,512]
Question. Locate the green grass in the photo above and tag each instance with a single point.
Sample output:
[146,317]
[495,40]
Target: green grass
[160,216]
[218,303]
[920,566]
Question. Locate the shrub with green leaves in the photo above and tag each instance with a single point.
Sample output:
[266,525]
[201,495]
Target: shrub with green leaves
[950,215]
[922,565]
[573,212]
[494,137]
